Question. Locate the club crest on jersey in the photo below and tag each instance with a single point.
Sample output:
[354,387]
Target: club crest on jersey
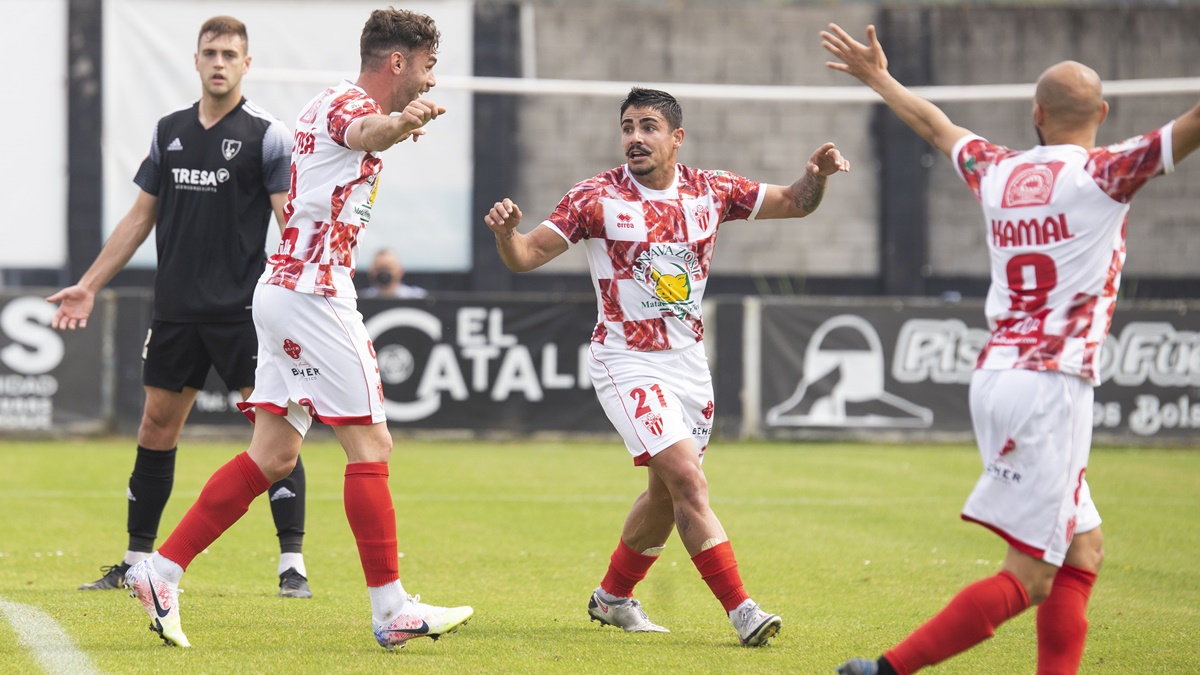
[291,349]
[230,148]
[654,423]
[703,215]
[1030,185]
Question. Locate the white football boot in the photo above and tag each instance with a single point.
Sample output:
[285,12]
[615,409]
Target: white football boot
[754,626]
[417,619]
[160,599]
[627,615]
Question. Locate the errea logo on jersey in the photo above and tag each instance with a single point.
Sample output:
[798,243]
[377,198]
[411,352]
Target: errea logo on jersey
[199,178]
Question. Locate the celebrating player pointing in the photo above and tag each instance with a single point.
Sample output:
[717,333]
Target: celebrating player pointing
[650,227]
[1055,217]
[315,359]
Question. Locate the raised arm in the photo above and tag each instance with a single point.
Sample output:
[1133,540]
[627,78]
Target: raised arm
[803,196]
[77,300]
[1185,135]
[375,133]
[522,252]
[869,64]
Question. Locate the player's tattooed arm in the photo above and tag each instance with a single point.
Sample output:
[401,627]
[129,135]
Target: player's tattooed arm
[808,191]
[803,196]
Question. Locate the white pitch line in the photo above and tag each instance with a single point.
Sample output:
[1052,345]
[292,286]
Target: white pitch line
[40,634]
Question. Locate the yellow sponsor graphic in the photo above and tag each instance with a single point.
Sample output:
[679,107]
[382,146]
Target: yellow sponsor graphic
[671,287]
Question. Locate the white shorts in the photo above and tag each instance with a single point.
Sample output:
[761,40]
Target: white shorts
[654,399]
[1034,431]
[315,360]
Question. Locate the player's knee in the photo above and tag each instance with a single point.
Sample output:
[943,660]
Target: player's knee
[277,468]
[157,432]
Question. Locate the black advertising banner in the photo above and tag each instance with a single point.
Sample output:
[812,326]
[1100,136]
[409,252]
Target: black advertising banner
[895,368]
[498,365]
[469,364]
[52,381]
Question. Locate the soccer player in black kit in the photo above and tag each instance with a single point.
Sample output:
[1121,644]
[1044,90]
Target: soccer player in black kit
[215,172]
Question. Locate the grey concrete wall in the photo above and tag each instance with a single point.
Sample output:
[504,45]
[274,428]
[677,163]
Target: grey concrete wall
[564,139]
[997,46]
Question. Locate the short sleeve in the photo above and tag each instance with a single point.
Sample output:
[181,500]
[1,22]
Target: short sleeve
[1122,169]
[149,174]
[569,218]
[740,196]
[974,157]
[344,110]
[276,158]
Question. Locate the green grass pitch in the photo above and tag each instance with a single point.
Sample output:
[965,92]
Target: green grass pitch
[854,545]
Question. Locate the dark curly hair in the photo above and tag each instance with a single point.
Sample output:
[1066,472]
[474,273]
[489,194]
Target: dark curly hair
[396,30]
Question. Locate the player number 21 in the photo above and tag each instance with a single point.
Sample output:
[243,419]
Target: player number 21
[639,395]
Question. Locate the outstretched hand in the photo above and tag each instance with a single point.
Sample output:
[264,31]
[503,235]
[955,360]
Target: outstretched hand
[76,307]
[867,62]
[827,161]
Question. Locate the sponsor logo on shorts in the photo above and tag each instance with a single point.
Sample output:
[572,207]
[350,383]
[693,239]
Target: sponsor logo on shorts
[702,431]
[291,349]
[654,423]
[306,372]
[1003,473]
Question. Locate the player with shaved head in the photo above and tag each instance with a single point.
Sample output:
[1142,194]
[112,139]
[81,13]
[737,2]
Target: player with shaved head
[1056,217]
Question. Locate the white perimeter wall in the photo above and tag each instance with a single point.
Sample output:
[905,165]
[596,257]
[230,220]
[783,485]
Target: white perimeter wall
[423,207]
[33,157]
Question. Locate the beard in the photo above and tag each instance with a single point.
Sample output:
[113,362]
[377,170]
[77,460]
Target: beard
[643,170]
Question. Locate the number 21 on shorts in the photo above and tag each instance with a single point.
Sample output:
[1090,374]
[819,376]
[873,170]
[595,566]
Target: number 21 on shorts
[639,394]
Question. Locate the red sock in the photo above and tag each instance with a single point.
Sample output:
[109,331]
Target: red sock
[719,570]
[1062,622]
[372,520]
[970,618]
[626,568]
[225,498]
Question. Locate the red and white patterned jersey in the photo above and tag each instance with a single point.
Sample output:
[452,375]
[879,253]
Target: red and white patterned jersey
[330,198]
[1056,219]
[649,250]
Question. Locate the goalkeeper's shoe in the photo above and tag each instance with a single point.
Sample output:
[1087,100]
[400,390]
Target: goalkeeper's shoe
[627,615]
[754,626]
[160,599]
[114,577]
[416,620]
[859,667]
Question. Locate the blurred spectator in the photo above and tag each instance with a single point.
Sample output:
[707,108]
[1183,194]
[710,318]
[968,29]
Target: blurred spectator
[386,275]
